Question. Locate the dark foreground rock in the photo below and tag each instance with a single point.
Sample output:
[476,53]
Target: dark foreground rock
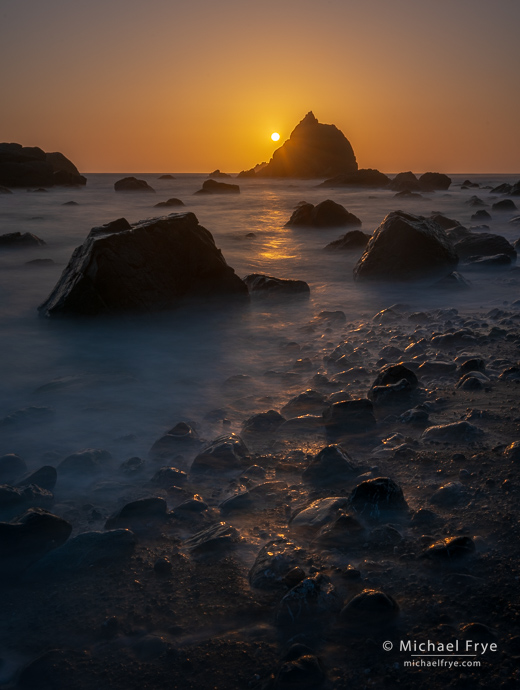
[371,608]
[26,539]
[483,244]
[312,150]
[213,187]
[377,497]
[146,267]
[326,214]
[268,286]
[132,184]
[224,454]
[407,248]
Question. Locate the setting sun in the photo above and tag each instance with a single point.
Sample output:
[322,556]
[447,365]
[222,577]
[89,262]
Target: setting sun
[275,136]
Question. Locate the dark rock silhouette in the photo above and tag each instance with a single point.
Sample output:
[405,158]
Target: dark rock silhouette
[132,184]
[432,181]
[405,248]
[65,172]
[166,177]
[218,173]
[481,216]
[312,150]
[18,240]
[361,178]
[326,214]
[171,202]
[405,181]
[212,187]
[146,267]
[504,206]
[30,166]
[267,286]
[355,239]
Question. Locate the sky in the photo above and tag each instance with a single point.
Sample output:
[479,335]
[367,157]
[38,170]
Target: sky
[194,85]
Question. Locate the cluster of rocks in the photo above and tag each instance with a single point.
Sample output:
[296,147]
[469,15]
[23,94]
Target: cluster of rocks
[30,166]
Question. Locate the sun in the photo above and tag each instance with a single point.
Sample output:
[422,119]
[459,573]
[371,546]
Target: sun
[275,136]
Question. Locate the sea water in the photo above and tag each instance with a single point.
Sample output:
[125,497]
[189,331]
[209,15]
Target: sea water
[120,383]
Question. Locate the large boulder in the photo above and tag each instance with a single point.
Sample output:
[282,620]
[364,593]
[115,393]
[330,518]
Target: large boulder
[312,150]
[146,267]
[29,166]
[327,214]
[360,178]
[407,248]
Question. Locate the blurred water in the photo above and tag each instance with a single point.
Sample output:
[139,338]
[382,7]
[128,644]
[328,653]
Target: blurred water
[141,375]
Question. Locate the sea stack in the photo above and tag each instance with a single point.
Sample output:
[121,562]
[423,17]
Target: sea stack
[312,150]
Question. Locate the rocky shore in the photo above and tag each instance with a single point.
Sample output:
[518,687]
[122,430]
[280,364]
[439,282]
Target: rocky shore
[370,496]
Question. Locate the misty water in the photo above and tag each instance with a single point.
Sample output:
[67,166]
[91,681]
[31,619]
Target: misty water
[120,383]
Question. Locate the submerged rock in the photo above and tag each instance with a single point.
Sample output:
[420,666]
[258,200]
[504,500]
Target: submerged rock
[327,214]
[12,467]
[45,478]
[139,514]
[406,248]
[19,240]
[132,184]
[171,202]
[87,550]
[213,187]
[146,267]
[261,285]
[368,178]
[312,150]
[355,239]
[181,439]
[483,244]
[85,463]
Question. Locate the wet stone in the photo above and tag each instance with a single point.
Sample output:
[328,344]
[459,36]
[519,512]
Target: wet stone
[226,453]
[344,532]
[457,432]
[181,439]
[169,476]
[263,423]
[318,513]
[331,465]
[214,540]
[274,562]
[45,478]
[450,549]
[162,566]
[370,608]
[424,518]
[304,672]
[512,452]
[132,466]
[351,416]
[140,514]
[375,497]
[307,601]
[415,416]
[450,495]
[308,402]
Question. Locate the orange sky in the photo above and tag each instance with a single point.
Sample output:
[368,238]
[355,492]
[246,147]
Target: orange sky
[192,85]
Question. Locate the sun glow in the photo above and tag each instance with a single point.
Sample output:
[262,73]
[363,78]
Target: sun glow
[275,136]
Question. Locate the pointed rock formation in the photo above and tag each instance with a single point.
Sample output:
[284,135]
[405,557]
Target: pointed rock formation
[312,150]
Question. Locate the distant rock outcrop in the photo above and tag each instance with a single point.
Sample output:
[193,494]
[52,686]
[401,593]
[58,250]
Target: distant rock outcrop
[407,248]
[312,150]
[218,173]
[212,187]
[432,181]
[30,166]
[405,181]
[132,184]
[19,240]
[361,178]
[146,267]
[326,214]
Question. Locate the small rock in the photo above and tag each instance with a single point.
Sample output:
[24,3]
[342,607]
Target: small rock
[138,514]
[375,497]
[213,540]
[457,432]
[450,549]
[274,562]
[12,467]
[162,566]
[450,495]
[371,608]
